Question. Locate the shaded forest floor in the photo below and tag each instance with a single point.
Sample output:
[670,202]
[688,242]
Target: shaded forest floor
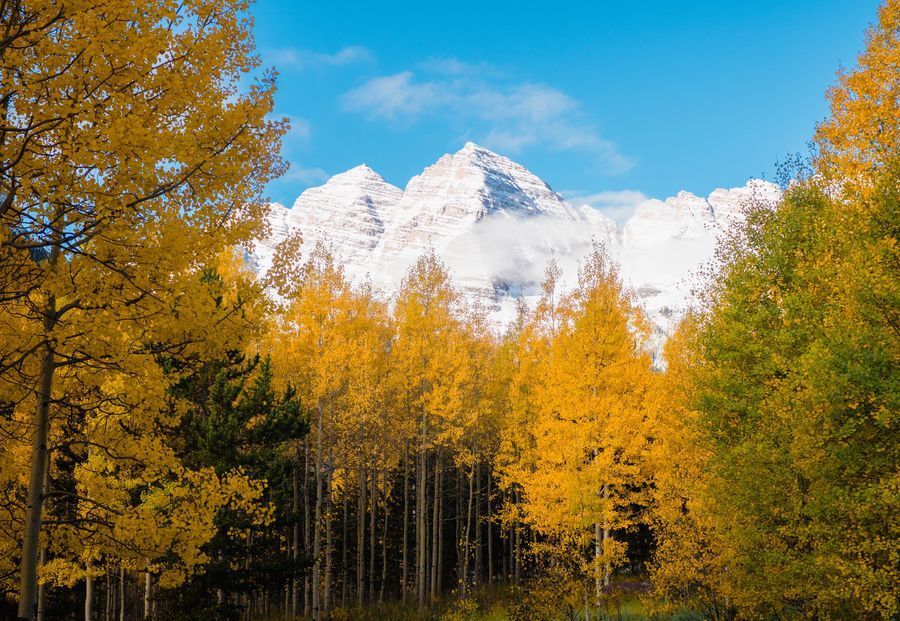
[503,603]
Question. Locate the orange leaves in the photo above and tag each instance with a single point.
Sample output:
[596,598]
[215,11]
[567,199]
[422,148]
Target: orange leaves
[577,435]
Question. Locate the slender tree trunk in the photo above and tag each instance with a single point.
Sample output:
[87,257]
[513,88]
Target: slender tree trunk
[459,531]
[404,578]
[89,596]
[384,534]
[329,536]
[148,587]
[421,542]
[361,534]
[317,523]
[504,545]
[606,565]
[121,594]
[436,526]
[478,524]
[295,546]
[344,535]
[42,587]
[429,527]
[510,541]
[490,528]
[109,597]
[34,505]
[440,535]
[467,546]
[598,552]
[307,543]
[372,531]
[517,531]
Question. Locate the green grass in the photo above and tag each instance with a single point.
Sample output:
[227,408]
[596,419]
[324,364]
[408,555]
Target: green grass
[500,603]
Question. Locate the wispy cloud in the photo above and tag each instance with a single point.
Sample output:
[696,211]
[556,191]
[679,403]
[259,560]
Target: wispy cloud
[299,59]
[396,97]
[304,175]
[618,205]
[510,116]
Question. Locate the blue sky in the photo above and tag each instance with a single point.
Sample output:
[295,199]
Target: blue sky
[601,99]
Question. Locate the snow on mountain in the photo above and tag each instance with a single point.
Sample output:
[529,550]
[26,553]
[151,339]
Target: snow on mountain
[348,212]
[496,224]
[463,206]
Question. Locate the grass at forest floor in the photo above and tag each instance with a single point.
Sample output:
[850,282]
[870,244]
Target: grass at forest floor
[502,603]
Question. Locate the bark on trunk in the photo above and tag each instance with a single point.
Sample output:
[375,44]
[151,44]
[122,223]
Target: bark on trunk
[440,528]
[421,536]
[478,524]
[329,536]
[458,525]
[361,535]
[517,532]
[468,534]
[436,527]
[42,590]
[606,566]
[344,535]
[42,587]
[34,506]
[148,588]
[490,528]
[598,580]
[295,546]
[384,536]
[307,596]
[88,597]
[317,521]
[372,531]
[121,594]
[404,579]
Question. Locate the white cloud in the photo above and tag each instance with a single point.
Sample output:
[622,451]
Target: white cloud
[618,205]
[300,174]
[297,59]
[516,115]
[396,97]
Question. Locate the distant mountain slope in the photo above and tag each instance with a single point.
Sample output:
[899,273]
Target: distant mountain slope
[496,225]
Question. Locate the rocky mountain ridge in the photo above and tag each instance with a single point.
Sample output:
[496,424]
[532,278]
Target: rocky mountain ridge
[496,224]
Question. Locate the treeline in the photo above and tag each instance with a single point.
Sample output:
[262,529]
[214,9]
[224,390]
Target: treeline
[182,440]
[420,474]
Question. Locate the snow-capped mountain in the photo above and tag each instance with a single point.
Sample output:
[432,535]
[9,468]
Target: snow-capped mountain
[349,212]
[496,224]
[463,206]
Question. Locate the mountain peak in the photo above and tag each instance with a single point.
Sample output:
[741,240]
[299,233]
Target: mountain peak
[471,147]
[361,172]
[475,152]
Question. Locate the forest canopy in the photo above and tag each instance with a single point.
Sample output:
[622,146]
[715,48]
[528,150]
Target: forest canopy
[181,438]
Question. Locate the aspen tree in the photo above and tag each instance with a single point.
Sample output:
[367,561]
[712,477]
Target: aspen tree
[426,358]
[579,467]
[93,231]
